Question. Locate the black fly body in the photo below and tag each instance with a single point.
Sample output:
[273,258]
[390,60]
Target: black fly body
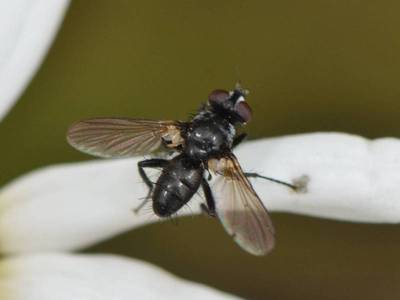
[203,149]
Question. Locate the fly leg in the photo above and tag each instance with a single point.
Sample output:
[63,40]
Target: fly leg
[299,184]
[297,187]
[208,209]
[238,139]
[148,163]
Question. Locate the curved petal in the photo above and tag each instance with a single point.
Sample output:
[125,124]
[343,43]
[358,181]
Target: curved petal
[70,206]
[350,178]
[86,277]
[27,28]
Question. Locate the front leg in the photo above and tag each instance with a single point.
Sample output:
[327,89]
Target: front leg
[256,175]
[238,139]
[148,163]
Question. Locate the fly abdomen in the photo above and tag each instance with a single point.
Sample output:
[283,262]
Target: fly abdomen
[177,184]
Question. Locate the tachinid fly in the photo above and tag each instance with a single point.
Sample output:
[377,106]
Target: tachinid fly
[203,147]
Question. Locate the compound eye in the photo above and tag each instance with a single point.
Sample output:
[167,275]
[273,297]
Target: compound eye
[218,96]
[244,111]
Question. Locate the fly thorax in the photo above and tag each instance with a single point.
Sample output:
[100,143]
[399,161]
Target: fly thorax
[231,132]
[207,137]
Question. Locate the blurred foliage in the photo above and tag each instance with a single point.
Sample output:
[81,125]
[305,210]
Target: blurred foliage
[310,66]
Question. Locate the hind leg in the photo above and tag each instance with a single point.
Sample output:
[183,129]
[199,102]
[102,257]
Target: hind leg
[148,163]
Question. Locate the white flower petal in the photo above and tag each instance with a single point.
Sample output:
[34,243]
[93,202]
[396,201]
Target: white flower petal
[350,178]
[86,277]
[27,28]
[70,206]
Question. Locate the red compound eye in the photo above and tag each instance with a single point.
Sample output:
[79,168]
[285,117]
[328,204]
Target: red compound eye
[218,96]
[244,111]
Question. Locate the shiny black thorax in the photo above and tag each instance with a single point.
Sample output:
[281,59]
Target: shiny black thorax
[208,135]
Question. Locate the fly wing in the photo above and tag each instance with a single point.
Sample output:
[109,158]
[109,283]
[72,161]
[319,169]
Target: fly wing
[239,208]
[116,137]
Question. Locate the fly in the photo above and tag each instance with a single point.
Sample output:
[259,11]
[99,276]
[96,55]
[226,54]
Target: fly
[203,147]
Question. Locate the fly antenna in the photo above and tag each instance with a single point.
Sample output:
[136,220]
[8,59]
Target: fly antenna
[239,88]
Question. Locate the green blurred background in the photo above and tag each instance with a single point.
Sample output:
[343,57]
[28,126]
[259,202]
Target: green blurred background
[310,65]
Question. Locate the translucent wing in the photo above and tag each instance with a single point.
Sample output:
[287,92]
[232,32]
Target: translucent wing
[114,137]
[239,208]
